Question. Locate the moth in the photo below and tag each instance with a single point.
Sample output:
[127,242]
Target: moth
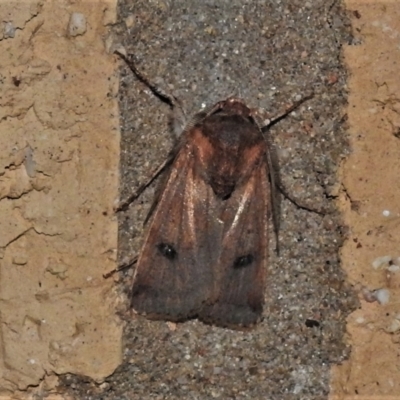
[206,246]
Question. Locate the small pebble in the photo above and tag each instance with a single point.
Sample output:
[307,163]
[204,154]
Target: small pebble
[393,268]
[9,30]
[368,296]
[29,162]
[77,24]
[129,21]
[382,295]
[380,261]
[393,327]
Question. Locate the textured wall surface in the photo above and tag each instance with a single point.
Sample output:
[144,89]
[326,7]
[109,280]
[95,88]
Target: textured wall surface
[370,203]
[59,147]
[60,154]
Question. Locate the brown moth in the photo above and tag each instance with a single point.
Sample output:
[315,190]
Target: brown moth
[206,247]
[205,251]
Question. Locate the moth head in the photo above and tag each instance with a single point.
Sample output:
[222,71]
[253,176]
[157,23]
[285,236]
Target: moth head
[237,106]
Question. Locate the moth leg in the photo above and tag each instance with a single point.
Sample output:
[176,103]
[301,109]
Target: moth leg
[273,165]
[277,188]
[275,184]
[123,205]
[303,205]
[314,209]
[127,263]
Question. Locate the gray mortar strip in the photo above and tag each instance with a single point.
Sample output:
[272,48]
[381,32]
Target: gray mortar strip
[270,54]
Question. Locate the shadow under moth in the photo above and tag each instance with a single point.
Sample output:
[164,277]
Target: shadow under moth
[205,250]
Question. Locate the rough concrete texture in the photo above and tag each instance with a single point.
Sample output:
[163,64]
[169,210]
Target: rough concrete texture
[58,181]
[370,204]
[270,53]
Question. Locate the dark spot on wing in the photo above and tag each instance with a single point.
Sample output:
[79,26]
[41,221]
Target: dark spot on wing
[167,251]
[243,261]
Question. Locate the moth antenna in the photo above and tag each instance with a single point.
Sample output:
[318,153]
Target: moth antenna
[124,265]
[170,99]
[175,105]
[201,115]
[274,120]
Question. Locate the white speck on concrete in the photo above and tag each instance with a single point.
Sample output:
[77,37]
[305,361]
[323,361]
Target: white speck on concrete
[300,377]
[29,162]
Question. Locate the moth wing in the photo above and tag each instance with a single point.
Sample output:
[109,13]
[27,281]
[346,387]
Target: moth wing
[174,278]
[244,251]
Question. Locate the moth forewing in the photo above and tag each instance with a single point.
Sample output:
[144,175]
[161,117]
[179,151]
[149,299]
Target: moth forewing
[167,285]
[206,246]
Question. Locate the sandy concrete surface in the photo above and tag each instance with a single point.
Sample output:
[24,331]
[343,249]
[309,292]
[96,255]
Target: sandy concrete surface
[370,203]
[58,182]
[269,53]
[60,153]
